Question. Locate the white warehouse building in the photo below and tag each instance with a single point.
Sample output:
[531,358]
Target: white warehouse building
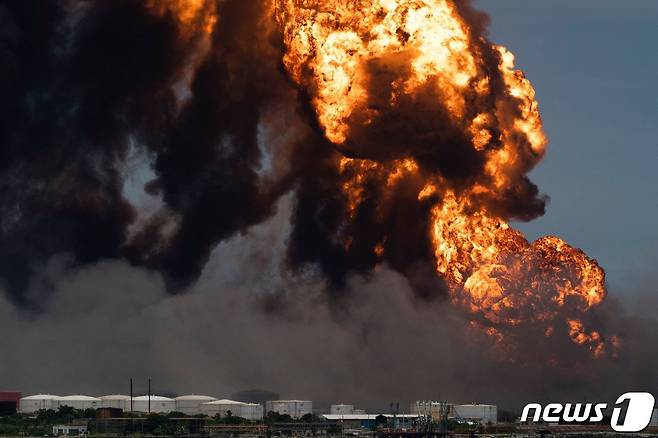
[158,404]
[484,414]
[341,409]
[294,408]
[116,401]
[80,402]
[192,404]
[249,411]
[35,403]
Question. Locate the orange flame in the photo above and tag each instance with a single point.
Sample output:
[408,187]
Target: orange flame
[491,270]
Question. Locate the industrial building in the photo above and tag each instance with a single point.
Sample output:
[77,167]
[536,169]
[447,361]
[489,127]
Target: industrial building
[370,421]
[153,403]
[484,414]
[9,401]
[438,410]
[341,409]
[225,407]
[80,402]
[35,403]
[192,404]
[294,408]
[69,429]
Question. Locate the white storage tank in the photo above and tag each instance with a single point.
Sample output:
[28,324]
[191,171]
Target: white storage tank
[116,401]
[36,403]
[294,408]
[341,409]
[251,411]
[222,408]
[192,404]
[484,414]
[80,402]
[159,405]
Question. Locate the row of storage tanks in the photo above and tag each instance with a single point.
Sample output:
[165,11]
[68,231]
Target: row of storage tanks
[188,404]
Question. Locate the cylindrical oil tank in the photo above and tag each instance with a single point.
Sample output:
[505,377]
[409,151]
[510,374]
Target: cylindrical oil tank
[36,403]
[192,404]
[222,408]
[80,402]
[158,404]
[116,401]
[251,411]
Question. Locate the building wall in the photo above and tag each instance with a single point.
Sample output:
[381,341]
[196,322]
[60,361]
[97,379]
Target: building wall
[9,402]
[65,429]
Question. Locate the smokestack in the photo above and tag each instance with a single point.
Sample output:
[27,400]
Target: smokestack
[149,395]
[131,394]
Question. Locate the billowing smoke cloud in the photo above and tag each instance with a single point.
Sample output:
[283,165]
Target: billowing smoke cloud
[108,321]
[304,265]
[86,83]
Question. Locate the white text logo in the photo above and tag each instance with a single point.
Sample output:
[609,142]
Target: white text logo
[637,406]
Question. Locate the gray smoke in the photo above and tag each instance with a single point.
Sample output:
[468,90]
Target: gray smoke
[249,323]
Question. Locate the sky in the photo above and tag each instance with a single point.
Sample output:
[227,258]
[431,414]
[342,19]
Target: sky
[593,64]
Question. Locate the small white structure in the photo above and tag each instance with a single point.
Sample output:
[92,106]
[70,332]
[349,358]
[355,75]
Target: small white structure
[249,411]
[294,408]
[36,403]
[341,409]
[192,404]
[80,402]
[158,404]
[116,401]
[484,414]
[68,429]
